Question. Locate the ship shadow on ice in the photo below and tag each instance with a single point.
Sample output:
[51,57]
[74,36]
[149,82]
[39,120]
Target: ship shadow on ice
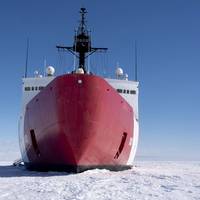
[21,171]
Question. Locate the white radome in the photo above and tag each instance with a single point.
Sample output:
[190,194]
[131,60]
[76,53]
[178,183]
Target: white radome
[50,71]
[79,71]
[119,72]
[36,73]
[126,77]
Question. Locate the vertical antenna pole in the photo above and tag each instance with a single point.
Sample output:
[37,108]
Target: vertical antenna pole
[88,59]
[88,71]
[27,52]
[45,65]
[136,62]
[75,51]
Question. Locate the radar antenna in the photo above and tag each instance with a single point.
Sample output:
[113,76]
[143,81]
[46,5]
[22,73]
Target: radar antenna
[27,55]
[136,62]
[82,43]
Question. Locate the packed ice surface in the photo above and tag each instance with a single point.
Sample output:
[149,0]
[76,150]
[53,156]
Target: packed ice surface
[146,180]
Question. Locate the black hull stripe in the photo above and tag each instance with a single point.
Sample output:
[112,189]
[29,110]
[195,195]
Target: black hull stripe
[74,168]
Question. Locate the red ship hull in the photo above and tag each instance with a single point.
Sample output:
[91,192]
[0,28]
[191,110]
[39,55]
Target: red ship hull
[78,122]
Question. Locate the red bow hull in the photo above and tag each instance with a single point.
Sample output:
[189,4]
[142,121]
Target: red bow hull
[78,122]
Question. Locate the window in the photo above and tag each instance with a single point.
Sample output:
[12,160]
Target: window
[119,90]
[133,92]
[27,88]
[126,91]
[41,87]
[33,88]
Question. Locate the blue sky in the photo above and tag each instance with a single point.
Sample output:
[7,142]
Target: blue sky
[168,36]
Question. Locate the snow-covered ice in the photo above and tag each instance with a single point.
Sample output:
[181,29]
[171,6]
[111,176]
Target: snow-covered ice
[147,180]
[153,180]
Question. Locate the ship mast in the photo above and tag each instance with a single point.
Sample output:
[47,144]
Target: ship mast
[82,43]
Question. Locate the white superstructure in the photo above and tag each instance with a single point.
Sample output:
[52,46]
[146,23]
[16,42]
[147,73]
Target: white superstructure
[129,91]
[30,88]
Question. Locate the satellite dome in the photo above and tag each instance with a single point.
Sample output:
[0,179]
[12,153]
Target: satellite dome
[36,73]
[126,76]
[50,71]
[79,71]
[119,72]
